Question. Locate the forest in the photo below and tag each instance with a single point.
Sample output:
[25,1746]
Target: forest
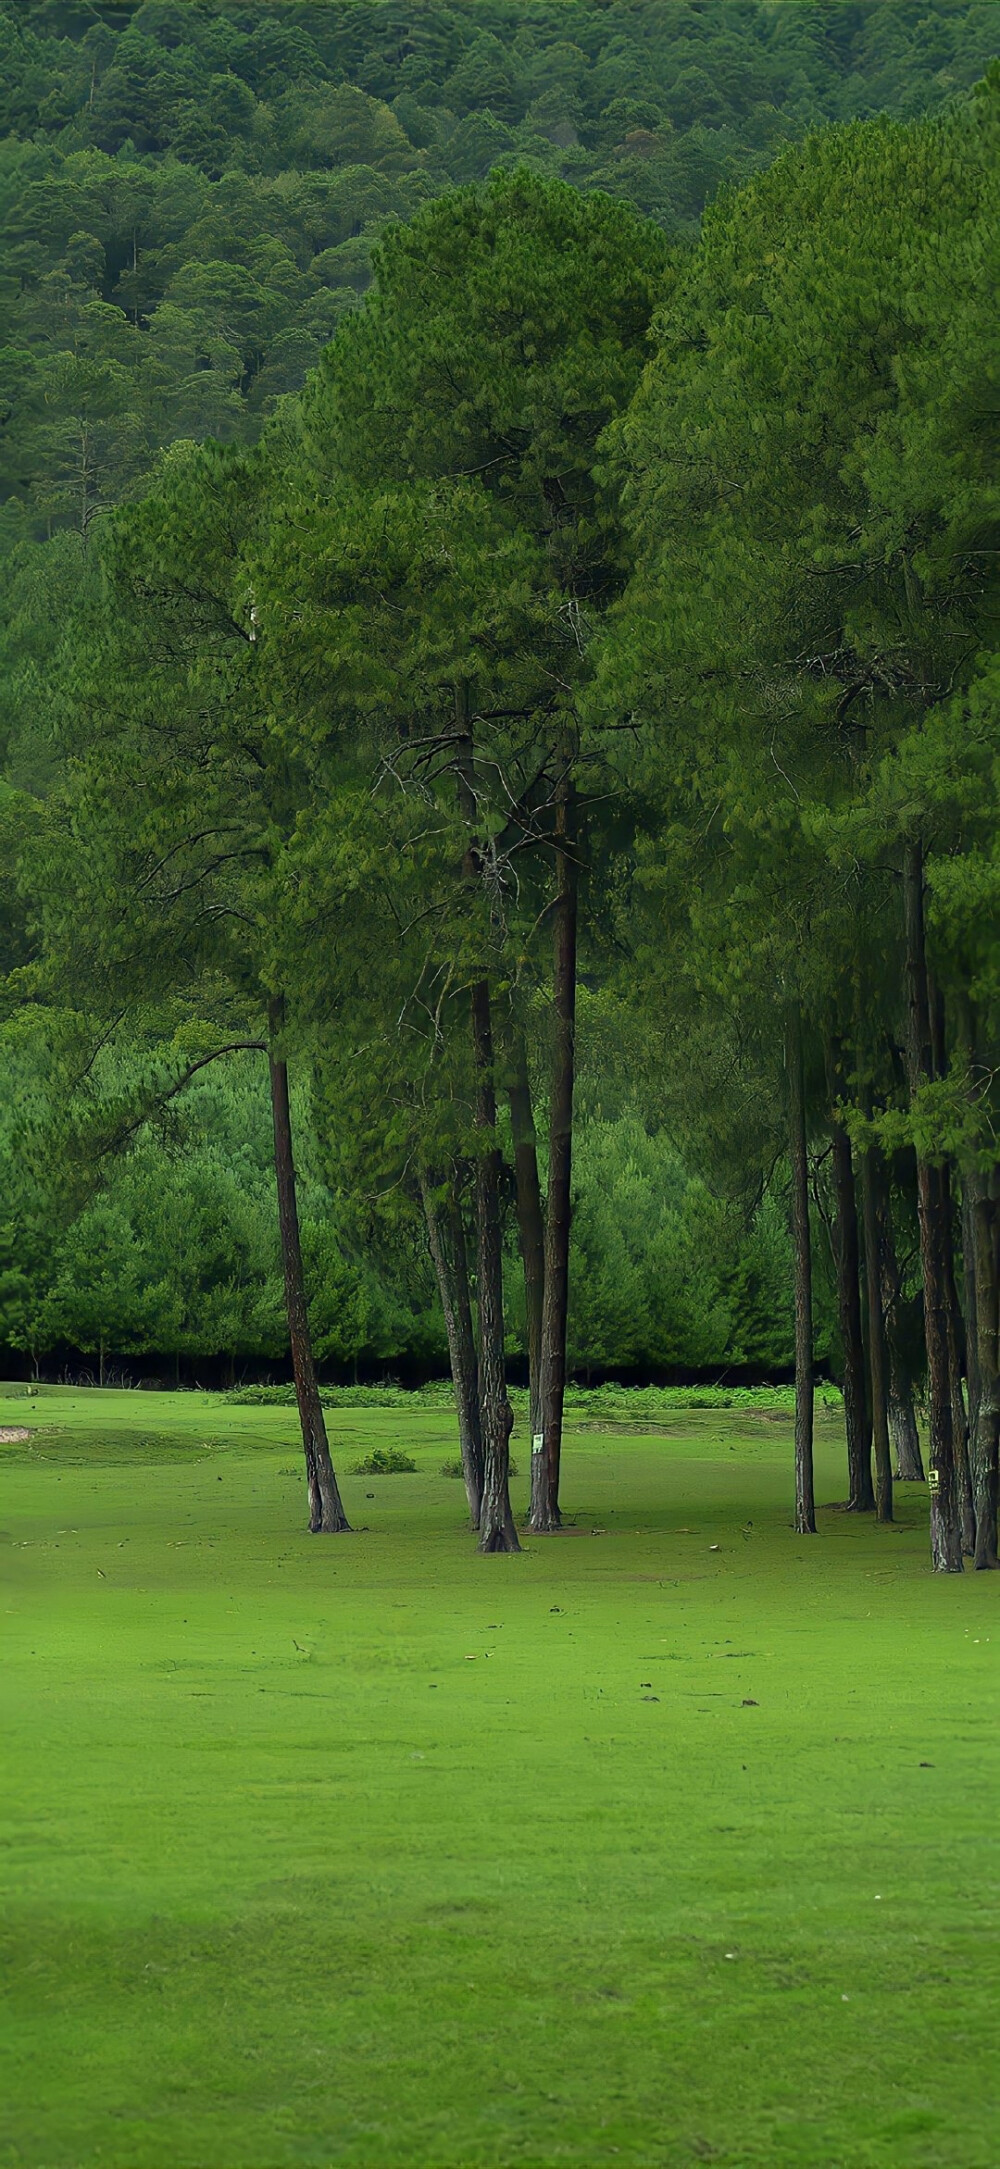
[499,647]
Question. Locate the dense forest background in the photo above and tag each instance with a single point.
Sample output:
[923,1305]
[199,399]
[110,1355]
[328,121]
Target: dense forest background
[189,196]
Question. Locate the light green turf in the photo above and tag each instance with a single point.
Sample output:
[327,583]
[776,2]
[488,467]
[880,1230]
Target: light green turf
[369,1851]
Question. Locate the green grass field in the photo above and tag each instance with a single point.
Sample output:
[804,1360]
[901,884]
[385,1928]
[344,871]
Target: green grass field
[369,1851]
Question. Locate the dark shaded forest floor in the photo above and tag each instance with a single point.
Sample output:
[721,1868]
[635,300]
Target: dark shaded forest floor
[370,1851]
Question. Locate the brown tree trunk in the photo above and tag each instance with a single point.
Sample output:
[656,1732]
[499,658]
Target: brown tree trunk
[857,1417]
[903,1424]
[877,1351]
[957,1355]
[326,1512]
[981,1273]
[805,1507]
[902,1420]
[944,1472]
[446,1242]
[984,1201]
[545,1483]
[496,1521]
[957,1360]
[530,1226]
[969,1307]
[470,1360]
[935,1243]
[496,1417]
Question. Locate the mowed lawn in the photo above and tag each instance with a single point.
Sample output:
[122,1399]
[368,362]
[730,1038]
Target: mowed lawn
[367,1850]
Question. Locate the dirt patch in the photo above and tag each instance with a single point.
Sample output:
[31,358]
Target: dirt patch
[13,1434]
[639,1427]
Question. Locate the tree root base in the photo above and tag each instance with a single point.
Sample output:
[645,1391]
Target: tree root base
[499,1540]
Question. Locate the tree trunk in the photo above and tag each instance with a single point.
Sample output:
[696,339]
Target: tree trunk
[857,1417]
[805,1508]
[969,1306]
[470,1361]
[877,1351]
[496,1521]
[944,1478]
[545,1496]
[446,1242]
[496,1417]
[957,1356]
[903,1424]
[902,1419]
[957,1360]
[985,1214]
[935,1240]
[326,1512]
[530,1228]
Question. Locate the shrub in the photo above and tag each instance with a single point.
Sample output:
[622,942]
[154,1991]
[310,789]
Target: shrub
[435,1395]
[386,1461]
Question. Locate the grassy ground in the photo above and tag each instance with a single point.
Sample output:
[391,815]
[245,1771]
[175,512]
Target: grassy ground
[369,1851]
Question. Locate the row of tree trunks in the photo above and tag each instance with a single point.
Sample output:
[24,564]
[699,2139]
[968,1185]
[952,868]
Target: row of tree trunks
[446,1242]
[964,1462]
[878,1395]
[484,1412]
[326,1510]
[449,1258]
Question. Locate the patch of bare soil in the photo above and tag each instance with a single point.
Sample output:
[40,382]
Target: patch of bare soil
[639,1426]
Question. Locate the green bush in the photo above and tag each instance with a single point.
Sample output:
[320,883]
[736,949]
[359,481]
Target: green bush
[386,1461]
[438,1393]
